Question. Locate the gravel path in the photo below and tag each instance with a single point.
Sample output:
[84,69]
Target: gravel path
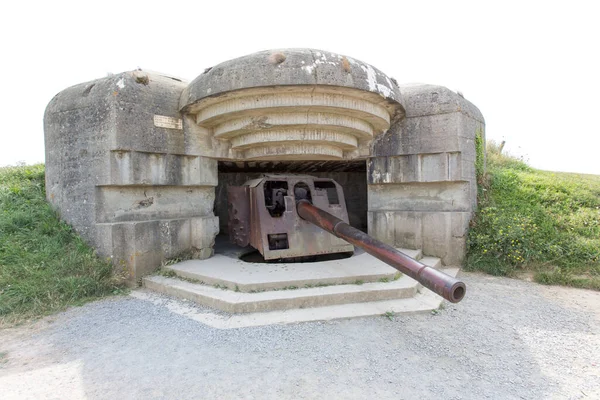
[508,339]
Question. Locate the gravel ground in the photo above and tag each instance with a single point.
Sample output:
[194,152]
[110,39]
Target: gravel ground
[508,339]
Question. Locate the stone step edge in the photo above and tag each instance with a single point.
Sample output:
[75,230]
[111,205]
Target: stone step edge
[281,285]
[240,302]
[298,283]
[162,219]
[422,302]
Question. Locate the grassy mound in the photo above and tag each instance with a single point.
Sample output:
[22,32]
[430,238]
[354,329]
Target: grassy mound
[539,222]
[44,265]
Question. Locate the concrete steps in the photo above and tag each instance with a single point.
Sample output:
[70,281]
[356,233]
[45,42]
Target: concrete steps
[238,302]
[231,285]
[423,301]
[229,272]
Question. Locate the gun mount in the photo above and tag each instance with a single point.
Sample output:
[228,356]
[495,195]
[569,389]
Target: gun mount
[295,216]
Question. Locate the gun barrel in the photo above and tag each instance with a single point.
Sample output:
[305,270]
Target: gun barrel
[444,285]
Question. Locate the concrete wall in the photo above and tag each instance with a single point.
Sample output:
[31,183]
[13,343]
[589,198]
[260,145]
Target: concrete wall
[125,180]
[421,176]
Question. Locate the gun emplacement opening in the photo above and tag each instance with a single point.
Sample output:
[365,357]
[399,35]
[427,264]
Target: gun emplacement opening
[296,216]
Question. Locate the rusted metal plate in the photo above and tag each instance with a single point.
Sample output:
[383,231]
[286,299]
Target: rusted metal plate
[276,230]
[238,204]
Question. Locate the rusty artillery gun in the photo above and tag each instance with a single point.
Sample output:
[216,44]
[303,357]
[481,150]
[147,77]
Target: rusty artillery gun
[296,216]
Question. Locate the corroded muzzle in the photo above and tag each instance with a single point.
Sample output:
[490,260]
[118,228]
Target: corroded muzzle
[446,286]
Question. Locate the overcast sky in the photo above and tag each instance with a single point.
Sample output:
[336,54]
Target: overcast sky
[532,68]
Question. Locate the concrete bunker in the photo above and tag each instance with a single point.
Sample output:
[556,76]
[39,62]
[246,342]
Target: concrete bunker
[137,162]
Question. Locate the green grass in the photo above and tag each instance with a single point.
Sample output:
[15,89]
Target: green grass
[44,266]
[539,222]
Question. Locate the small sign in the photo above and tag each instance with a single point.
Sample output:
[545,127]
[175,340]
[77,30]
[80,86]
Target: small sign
[168,122]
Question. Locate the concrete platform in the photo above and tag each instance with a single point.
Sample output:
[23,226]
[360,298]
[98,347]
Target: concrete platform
[238,302]
[226,270]
[232,273]
[423,301]
[226,283]
[265,293]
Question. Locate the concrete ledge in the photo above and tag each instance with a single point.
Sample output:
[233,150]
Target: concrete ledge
[432,262]
[140,168]
[238,302]
[140,247]
[228,271]
[428,197]
[435,167]
[305,126]
[141,203]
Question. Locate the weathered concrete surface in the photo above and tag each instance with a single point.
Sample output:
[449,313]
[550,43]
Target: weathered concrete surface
[442,234]
[226,270]
[421,174]
[225,283]
[292,104]
[332,288]
[125,180]
[131,159]
[297,299]
[290,67]
[292,123]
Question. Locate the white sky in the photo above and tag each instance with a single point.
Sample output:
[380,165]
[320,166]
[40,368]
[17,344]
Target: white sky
[532,68]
